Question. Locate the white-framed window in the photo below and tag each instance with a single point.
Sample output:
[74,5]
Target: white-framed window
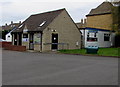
[106,37]
[92,36]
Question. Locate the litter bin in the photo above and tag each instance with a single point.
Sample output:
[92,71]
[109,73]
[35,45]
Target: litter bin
[92,49]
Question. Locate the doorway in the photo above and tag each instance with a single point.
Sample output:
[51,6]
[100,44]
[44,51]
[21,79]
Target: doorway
[20,39]
[54,41]
[15,39]
[31,41]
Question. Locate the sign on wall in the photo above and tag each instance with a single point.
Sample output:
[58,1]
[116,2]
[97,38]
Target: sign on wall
[37,38]
[25,38]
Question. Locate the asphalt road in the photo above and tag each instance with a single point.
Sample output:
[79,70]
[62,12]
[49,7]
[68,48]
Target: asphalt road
[25,68]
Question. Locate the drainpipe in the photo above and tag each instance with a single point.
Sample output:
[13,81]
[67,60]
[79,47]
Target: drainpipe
[84,38]
[41,40]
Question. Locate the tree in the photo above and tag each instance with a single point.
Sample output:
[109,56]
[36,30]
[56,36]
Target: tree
[4,33]
[116,17]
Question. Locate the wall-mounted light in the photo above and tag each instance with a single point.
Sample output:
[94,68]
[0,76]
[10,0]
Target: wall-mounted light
[48,29]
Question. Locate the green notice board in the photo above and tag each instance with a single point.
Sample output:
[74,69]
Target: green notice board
[37,38]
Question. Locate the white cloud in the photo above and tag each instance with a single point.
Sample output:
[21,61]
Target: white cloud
[16,10]
[51,0]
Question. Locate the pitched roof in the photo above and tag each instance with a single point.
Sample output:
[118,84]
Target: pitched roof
[81,25]
[10,26]
[39,22]
[104,8]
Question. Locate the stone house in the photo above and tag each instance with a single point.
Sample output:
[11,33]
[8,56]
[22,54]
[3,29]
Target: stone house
[53,30]
[8,28]
[98,30]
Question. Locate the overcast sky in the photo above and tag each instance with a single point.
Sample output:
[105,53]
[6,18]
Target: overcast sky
[19,10]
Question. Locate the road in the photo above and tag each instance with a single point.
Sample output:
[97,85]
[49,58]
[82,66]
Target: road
[28,68]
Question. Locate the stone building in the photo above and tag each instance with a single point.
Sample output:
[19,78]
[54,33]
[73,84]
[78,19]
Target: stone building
[10,26]
[48,31]
[7,28]
[98,30]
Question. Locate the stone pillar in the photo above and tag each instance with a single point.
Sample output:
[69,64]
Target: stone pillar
[13,39]
[17,39]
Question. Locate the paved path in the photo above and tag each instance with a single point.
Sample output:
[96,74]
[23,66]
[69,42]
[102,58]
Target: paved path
[25,68]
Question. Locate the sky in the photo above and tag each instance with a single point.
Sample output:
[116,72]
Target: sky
[19,10]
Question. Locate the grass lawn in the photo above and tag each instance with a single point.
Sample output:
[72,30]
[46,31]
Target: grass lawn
[101,52]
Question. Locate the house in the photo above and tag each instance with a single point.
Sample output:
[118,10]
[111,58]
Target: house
[53,30]
[81,26]
[7,30]
[8,36]
[98,30]
[10,26]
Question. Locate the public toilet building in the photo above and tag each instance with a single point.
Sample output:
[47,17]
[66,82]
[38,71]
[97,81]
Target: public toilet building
[48,31]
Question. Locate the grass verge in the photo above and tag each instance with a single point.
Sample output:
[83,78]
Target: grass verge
[101,52]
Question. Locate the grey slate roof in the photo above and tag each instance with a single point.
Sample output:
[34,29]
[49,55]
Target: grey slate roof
[10,27]
[104,8]
[34,21]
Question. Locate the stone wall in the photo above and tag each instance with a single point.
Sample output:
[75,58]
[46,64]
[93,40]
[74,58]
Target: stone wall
[100,21]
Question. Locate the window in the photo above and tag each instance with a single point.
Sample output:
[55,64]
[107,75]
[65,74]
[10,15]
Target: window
[95,35]
[106,37]
[88,35]
[91,36]
[91,39]
[42,23]
[25,35]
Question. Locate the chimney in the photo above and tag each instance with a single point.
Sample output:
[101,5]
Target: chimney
[11,22]
[19,22]
[82,21]
[85,21]
[6,24]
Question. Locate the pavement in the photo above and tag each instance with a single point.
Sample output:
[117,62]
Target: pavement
[34,68]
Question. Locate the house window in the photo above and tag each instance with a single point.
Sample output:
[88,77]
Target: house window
[95,35]
[106,37]
[91,39]
[25,35]
[92,36]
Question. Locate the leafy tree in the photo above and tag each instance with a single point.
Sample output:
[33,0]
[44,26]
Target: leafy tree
[116,19]
[4,33]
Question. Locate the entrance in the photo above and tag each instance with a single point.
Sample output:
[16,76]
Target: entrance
[15,39]
[31,42]
[54,41]
[20,39]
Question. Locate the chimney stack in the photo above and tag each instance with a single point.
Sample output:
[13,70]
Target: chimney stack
[85,21]
[19,22]
[82,21]
[6,24]
[11,22]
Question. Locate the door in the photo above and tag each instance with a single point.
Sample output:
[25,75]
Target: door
[31,42]
[20,39]
[54,41]
[15,39]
